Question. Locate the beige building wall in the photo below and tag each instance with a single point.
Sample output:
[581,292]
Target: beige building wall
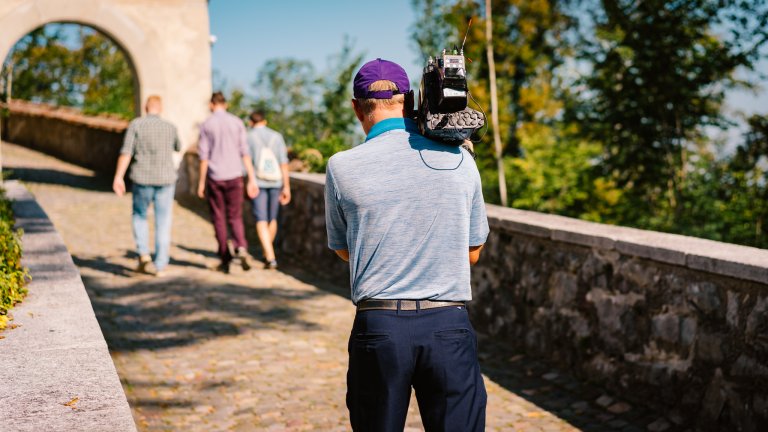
[167,41]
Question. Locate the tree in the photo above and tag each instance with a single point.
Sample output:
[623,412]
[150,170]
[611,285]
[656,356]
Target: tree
[91,73]
[745,188]
[659,72]
[311,109]
[105,77]
[43,68]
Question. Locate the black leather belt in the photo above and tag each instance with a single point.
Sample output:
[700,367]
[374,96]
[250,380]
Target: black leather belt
[406,305]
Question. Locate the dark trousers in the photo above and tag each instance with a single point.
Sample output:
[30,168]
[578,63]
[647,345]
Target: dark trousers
[434,351]
[225,199]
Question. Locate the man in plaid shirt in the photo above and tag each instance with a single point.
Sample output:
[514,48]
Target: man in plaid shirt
[150,141]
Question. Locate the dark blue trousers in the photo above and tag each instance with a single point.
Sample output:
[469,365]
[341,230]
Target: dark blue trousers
[432,350]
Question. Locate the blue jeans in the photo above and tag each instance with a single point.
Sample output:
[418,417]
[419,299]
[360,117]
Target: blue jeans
[433,351]
[162,198]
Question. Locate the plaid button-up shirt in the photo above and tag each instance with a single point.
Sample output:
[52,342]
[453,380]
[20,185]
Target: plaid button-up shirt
[151,141]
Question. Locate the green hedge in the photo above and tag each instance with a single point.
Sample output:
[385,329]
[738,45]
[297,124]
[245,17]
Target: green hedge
[13,276]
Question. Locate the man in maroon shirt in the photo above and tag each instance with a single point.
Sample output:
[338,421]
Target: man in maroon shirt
[223,150]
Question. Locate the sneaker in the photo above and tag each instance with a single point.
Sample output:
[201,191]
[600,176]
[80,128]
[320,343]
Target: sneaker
[244,258]
[271,265]
[146,265]
[223,267]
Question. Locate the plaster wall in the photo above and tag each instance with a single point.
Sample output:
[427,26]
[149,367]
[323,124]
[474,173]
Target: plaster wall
[167,42]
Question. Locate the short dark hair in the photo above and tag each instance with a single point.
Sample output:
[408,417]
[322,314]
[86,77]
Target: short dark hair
[258,116]
[218,98]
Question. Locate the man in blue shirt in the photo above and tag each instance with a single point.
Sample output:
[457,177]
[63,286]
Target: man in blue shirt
[408,214]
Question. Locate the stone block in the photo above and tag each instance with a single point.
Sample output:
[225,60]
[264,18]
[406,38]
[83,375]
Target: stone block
[709,347]
[654,246]
[714,399]
[583,238]
[659,425]
[704,296]
[639,274]
[563,288]
[756,331]
[749,367]
[578,324]
[760,405]
[732,311]
[611,308]
[688,330]
[666,327]
[740,263]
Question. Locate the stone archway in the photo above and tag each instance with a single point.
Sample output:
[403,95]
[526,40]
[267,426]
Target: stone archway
[167,43]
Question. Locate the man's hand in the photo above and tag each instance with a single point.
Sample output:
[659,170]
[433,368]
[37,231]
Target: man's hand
[203,177]
[474,254]
[118,185]
[343,254]
[285,196]
[252,189]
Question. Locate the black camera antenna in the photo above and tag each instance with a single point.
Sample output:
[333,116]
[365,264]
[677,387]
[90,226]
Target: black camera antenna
[465,36]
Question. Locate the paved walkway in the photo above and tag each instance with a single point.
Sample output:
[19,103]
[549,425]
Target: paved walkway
[263,350]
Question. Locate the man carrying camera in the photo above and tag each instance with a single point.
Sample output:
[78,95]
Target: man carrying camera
[408,214]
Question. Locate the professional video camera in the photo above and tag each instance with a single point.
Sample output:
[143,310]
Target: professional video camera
[442,113]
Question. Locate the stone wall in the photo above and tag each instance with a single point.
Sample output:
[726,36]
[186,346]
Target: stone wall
[302,234]
[677,322]
[89,141]
[55,367]
[92,142]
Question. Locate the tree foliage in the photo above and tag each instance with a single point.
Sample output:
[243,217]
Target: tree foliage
[312,110]
[659,73]
[71,65]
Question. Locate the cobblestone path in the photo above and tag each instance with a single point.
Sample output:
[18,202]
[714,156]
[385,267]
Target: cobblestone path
[197,350]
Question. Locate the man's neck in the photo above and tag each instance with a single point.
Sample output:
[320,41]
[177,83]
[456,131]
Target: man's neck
[379,115]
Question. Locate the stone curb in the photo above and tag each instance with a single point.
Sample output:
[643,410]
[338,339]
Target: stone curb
[720,258]
[56,373]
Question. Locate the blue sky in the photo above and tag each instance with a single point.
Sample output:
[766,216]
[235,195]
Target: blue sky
[248,33]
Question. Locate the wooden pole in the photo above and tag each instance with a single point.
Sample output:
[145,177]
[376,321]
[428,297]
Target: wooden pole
[494,102]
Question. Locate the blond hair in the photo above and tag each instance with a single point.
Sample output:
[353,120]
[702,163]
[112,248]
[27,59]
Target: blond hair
[368,106]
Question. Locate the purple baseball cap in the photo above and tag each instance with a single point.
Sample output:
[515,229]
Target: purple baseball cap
[376,70]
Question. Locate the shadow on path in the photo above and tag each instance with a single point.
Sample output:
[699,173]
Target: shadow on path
[95,182]
[155,313]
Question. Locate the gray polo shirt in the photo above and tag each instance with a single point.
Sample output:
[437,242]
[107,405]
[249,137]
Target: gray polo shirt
[407,209]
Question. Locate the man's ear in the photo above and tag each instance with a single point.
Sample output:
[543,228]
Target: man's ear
[358,111]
